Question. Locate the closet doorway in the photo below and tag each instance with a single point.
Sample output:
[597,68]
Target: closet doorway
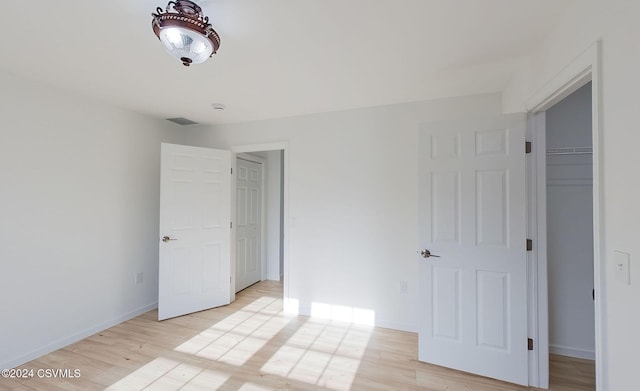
[582,72]
[570,250]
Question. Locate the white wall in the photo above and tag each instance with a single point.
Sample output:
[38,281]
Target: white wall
[615,22]
[352,195]
[79,216]
[570,228]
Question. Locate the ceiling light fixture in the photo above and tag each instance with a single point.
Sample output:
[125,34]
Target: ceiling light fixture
[186,33]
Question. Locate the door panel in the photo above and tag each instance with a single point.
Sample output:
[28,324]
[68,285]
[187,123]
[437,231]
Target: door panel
[445,207]
[195,199]
[493,307]
[473,315]
[446,303]
[491,208]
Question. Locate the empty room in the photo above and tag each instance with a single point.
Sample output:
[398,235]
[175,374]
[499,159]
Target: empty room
[303,195]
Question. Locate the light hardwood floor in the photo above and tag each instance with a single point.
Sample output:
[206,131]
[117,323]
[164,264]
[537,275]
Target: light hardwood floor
[252,345]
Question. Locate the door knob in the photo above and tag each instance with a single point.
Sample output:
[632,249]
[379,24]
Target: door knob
[166,239]
[427,254]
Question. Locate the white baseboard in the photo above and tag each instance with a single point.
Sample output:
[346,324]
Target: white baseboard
[396,326]
[572,352]
[65,341]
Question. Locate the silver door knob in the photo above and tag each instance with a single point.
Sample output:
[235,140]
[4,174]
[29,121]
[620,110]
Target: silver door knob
[427,254]
[166,239]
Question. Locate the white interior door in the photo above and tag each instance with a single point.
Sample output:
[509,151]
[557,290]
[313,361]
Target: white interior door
[195,238]
[473,297]
[248,232]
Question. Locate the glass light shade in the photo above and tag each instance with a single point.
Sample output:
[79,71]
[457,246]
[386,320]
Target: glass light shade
[184,43]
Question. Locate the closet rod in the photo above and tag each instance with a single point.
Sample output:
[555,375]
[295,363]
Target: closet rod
[570,151]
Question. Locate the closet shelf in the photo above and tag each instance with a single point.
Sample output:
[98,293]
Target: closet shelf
[570,151]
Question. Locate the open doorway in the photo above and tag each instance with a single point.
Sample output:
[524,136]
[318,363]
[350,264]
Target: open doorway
[566,232]
[259,217]
[270,244]
[569,190]
[565,161]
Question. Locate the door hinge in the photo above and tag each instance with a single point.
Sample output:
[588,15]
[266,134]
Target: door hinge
[231,170]
[529,245]
[529,343]
[231,224]
[527,147]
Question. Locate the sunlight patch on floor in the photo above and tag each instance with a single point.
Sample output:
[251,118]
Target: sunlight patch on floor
[160,373]
[208,380]
[322,351]
[176,378]
[237,338]
[254,387]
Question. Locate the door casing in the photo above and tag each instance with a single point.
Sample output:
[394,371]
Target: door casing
[576,74]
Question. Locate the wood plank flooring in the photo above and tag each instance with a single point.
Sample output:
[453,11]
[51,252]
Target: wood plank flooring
[252,345]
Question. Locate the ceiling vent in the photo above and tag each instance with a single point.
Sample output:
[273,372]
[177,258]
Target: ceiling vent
[182,121]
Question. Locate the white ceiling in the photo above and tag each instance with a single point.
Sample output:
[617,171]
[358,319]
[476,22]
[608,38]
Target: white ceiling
[277,58]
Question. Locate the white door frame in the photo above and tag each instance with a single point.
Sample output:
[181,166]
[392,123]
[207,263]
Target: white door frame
[263,206]
[247,148]
[584,68]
